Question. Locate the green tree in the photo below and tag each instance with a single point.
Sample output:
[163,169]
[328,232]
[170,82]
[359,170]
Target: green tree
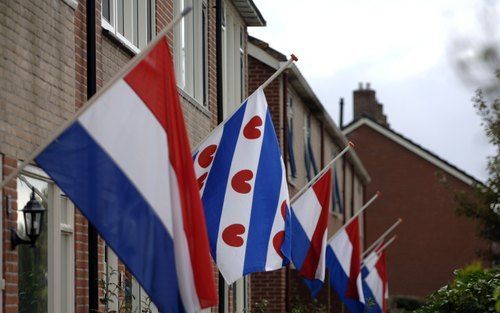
[474,289]
[484,207]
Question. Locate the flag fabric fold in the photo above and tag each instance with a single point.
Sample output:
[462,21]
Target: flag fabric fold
[242,179]
[310,229]
[125,163]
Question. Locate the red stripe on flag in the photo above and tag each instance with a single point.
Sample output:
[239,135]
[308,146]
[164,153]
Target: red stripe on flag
[382,272]
[154,82]
[322,188]
[353,233]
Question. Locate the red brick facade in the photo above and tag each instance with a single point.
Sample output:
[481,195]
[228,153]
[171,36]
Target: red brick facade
[432,241]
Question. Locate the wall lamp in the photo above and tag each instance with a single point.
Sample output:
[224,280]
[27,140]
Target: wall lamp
[33,213]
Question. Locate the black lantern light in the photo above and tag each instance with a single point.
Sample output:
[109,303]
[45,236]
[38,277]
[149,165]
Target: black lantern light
[33,213]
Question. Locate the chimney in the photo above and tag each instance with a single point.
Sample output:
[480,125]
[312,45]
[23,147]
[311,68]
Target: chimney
[365,104]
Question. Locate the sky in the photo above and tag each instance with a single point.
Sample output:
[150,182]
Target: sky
[405,49]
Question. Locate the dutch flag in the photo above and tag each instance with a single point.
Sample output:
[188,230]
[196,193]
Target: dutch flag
[242,179]
[343,263]
[126,164]
[375,287]
[310,229]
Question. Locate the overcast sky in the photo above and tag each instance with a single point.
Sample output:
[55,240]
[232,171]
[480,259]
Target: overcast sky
[404,49]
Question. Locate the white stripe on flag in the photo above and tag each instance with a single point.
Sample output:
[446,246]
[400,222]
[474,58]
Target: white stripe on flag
[127,146]
[237,206]
[342,247]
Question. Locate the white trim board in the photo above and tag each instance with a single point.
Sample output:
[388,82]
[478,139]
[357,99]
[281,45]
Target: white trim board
[411,147]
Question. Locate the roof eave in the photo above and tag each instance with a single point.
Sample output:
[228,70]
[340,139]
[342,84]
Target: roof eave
[249,12]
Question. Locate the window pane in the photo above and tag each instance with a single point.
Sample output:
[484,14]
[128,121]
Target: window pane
[106,12]
[65,244]
[204,52]
[135,13]
[33,262]
[64,210]
[120,16]
[150,19]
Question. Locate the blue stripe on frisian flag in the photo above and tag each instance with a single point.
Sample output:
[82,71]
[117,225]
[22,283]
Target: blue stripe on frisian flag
[114,206]
[215,188]
[267,183]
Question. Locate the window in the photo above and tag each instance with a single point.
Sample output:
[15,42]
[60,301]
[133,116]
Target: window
[131,21]
[308,151]
[233,59]
[291,154]
[46,271]
[191,50]
[337,205]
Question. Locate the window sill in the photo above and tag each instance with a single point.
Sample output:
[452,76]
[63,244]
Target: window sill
[119,40]
[194,102]
[71,3]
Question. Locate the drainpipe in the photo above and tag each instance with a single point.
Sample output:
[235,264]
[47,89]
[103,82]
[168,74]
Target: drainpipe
[220,114]
[91,90]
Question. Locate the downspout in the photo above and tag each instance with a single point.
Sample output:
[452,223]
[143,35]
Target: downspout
[220,115]
[91,90]
[285,159]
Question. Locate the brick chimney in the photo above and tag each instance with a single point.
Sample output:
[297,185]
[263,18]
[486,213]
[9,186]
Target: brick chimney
[365,104]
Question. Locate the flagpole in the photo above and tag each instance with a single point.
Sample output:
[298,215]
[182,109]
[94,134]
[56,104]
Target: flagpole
[264,85]
[381,238]
[279,71]
[349,146]
[131,64]
[367,204]
[387,244]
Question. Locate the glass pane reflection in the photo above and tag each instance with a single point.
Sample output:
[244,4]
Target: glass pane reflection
[33,262]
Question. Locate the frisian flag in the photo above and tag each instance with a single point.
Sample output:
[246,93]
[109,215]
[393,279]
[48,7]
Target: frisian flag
[242,180]
[375,282]
[125,163]
[310,229]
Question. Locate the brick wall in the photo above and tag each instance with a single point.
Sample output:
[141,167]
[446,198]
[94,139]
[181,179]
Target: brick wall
[432,241]
[37,86]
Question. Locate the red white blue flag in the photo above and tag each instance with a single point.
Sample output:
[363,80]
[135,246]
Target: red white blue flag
[125,163]
[375,287]
[310,228]
[242,179]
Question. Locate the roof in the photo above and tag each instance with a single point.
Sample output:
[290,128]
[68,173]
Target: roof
[264,53]
[249,12]
[413,147]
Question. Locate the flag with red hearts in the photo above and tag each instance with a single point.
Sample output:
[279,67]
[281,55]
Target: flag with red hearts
[242,180]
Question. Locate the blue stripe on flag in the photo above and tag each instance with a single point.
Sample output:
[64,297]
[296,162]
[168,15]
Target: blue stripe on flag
[339,282]
[300,243]
[84,171]
[215,187]
[266,199]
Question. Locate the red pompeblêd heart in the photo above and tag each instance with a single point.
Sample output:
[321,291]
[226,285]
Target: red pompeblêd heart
[232,235]
[201,180]
[207,156]
[239,182]
[278,241]
[251,130]
[283,209]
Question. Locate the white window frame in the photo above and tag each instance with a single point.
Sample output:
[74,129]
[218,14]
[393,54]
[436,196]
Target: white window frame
[56,230]
[234,85]
[191,50]
[134,37]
